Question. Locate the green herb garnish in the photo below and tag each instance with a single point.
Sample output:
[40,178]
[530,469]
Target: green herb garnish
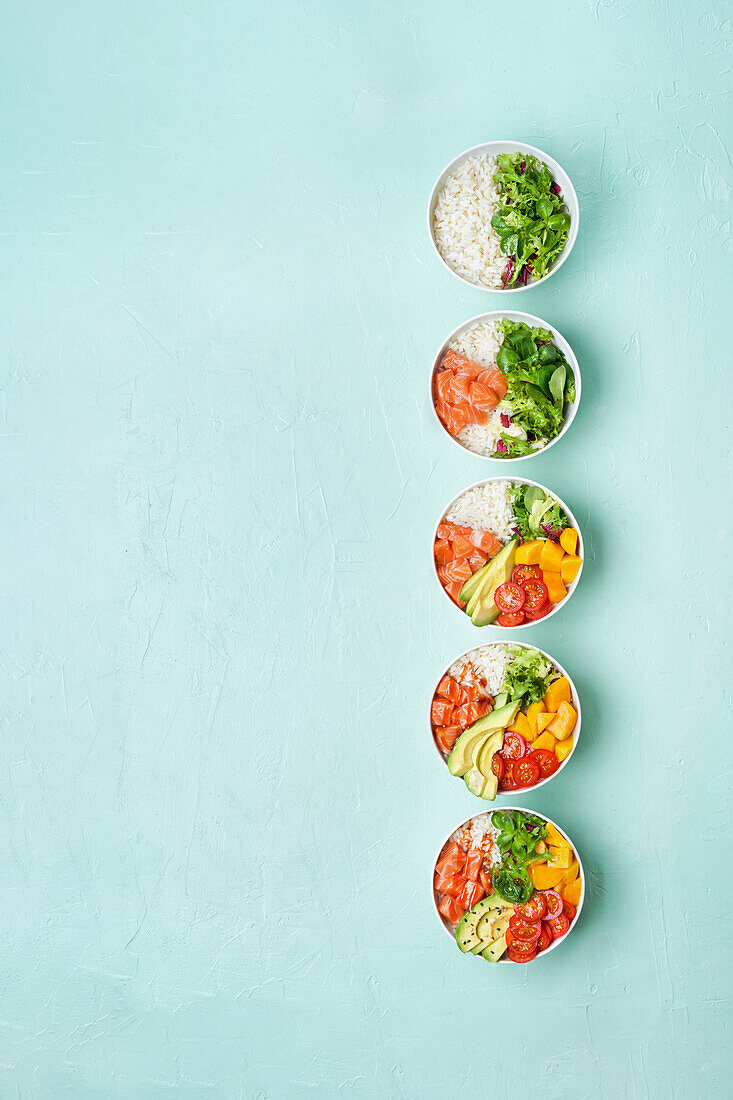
[531,218]
[517,840]
[527,676]
[540,383]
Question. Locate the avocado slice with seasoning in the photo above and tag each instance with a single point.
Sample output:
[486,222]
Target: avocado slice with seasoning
[466,936]
[496,949]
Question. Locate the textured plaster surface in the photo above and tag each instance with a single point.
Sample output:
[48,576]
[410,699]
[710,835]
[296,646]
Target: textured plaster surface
[219,804]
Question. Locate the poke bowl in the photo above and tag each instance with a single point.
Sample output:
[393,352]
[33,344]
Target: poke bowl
[505,385]
[503,216]
[507,552]
[508,885]
[505,717]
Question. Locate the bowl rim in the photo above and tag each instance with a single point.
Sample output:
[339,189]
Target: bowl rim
[538,813]
[555,167]
[576,704]
[580,549]
[497,314]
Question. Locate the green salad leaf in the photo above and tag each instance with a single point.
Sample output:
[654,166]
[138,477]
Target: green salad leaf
[531,218]
[527,676]
[540,383]
[537,513]
[518,836]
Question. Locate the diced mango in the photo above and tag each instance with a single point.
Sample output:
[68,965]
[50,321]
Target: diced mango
[545,877]
[569,568]
[571,892]
[563,748]
[569,540]
[543,721]
[561,856]
[553,836]
[556,692]
[529,552]
[564,723]
[555,587]
[551,556]
[571,874]
[533,710]
[544,741]
[522,726]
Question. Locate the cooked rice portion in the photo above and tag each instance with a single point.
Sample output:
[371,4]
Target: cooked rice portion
[462,225]
[480,343]
[479,833]
[486,507]
[482,667]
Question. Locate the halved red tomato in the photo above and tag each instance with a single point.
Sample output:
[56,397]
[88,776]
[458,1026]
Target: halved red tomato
[510,597]
[545,937]
[536,594]
[526,772]
[546,761]
[514,747]
[524,932]
[569,910]
[524,573]
[559,925]
[532,910]
[518,956]
[539,613]
[510,618]
[554,903]
[498,766]
[506,783]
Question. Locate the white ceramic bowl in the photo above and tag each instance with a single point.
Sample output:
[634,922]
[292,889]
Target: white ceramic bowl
[533,322]
[511,630]
[578,908]
[576,704]
[493,148]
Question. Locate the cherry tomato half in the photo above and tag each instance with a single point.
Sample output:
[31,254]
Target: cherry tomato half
[545,937]
[506,783]
[514,748]
[539,613]
[532,910]
[526,772]
[524,573]
[498,766]
[510,618]
[520,956]
[519,945]
[522,930]
[509,597]
[554,903]
[546,761]
[559,925]
[536,594]
[569,910]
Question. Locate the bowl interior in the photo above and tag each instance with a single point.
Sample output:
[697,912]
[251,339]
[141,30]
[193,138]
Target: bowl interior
[533,322]
[581,872]
[493,148]
[576,704]
[510,632]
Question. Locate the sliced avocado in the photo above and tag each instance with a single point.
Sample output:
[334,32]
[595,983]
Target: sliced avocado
[466,936]
[475,780]
[473,582]
[483,764]
[463,752]
[466,749]
[479,588]
[501,699]
[495,950]
[485,610]
[491,927]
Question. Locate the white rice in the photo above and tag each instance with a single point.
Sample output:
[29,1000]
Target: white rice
[479,833]
[480,343]
[482,667]
[462,226]
[486,507]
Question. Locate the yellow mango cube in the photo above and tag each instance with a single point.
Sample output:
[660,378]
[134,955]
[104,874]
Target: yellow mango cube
[558,691]
[544,741]
[533,710]
[569,568]
[564,723]
[556,589]
[551,556]
[522,726]
[543,721]
[569,540]
[563,749]
[529,552]
[545,877]
[561,856]
[571,892]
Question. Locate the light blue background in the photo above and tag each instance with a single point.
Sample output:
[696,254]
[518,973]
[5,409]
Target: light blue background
[219,802]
